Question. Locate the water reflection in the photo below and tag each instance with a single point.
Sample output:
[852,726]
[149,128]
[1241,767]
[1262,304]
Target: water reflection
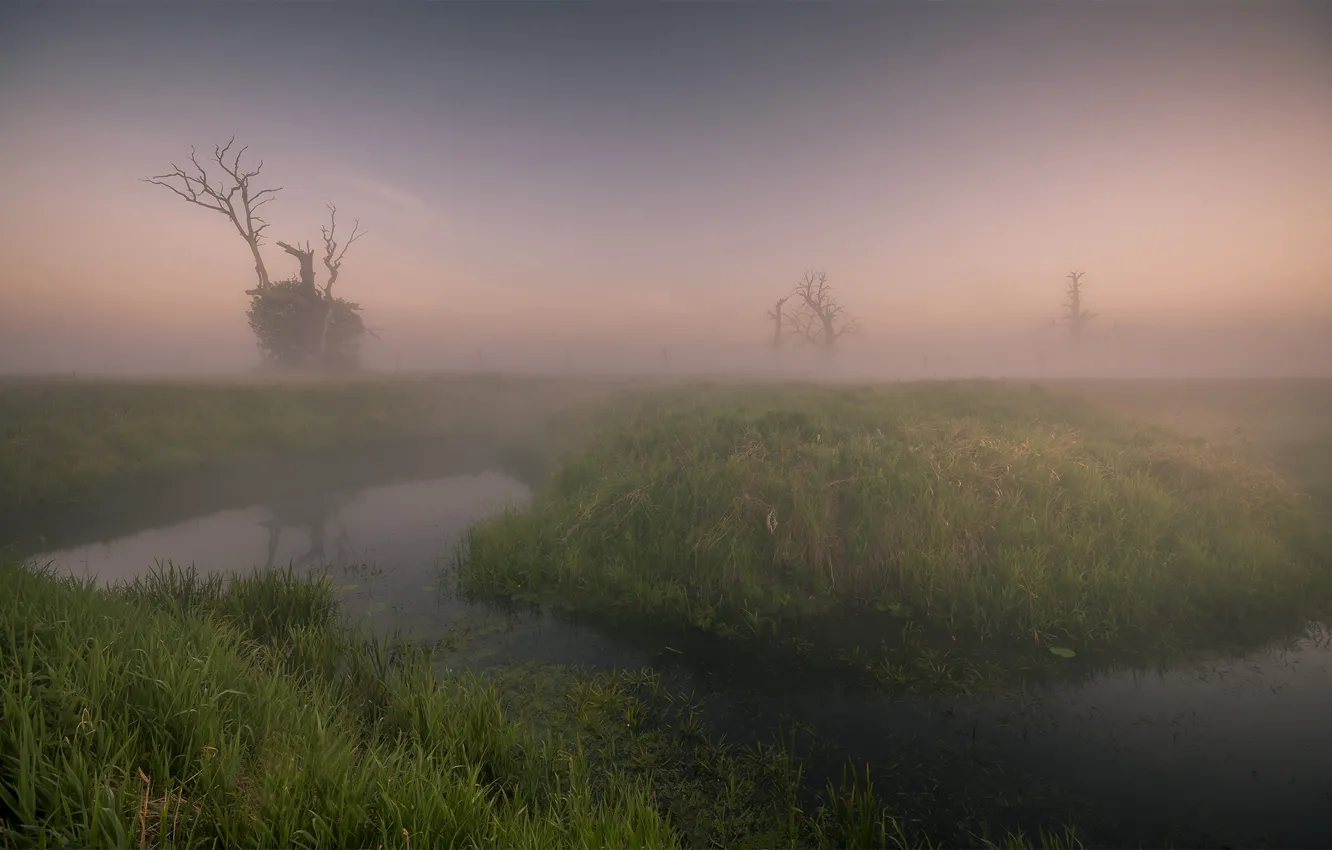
[316,515]
[390,551]
[412,524]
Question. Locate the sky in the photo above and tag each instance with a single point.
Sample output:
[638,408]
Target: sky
[594,182]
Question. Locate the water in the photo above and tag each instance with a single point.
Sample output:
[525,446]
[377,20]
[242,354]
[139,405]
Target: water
[1224,753]
[1229,752]
[389,550]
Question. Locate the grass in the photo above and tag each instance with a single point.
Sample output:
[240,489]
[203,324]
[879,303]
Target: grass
[110,456]
[927,530]
[64,442]
[930,534]
[1283,423]
[177,713]
[186,712]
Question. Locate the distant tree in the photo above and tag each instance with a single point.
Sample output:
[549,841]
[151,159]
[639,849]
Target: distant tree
[1075,316]
[300,323]
[778,320]
[820,319]
[296,322]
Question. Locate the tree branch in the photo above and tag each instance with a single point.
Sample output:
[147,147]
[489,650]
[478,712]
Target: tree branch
[332,256]
[198,188]
[817,320]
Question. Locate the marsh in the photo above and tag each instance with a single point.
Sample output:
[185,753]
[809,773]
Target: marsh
[916,671]
[659,425]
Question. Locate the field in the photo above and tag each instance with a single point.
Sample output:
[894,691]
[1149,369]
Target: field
[74,453]
[935,534]
[955,537]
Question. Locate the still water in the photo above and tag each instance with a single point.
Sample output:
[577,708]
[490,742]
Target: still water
[1231,752]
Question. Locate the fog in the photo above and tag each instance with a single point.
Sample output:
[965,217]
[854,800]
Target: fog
[589,188]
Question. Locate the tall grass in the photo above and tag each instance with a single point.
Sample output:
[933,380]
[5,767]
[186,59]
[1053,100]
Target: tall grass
[980,514]
[165,715]
[181,711]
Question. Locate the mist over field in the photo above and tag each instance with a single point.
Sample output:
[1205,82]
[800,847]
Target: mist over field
[666,425]
[578,188]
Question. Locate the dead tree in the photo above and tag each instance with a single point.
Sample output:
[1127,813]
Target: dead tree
[821,319]
[299,311]
[237,199]
[305,259]
[319,299]
[778,322]
[1075,316]
[333,262]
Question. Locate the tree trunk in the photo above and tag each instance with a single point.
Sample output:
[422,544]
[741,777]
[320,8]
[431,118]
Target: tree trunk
[260,270]
[323,332]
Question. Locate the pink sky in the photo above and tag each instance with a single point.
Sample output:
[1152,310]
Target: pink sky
[946,181]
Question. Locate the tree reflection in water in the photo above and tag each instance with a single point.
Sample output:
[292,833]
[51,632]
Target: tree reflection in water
[316,514]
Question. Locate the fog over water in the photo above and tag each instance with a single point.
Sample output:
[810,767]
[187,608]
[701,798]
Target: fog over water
[598,188]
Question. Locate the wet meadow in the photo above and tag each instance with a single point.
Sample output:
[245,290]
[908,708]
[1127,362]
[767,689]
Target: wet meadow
[481,611]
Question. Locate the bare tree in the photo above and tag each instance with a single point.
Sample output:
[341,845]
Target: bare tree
[1075,316]
[332,256]
[820,319]
[292,317]
[333,262]
[236,199]
[320,298]
[778,322]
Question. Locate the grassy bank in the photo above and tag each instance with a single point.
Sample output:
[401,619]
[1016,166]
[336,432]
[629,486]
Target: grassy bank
[64,442]
[111,457]
[180,712]
[922,528]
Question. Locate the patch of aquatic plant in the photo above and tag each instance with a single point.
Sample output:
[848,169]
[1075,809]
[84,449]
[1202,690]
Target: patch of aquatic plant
[983,516]
[629,725]
[717,794]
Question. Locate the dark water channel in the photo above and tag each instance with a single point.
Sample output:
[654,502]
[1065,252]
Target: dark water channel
[1234,752]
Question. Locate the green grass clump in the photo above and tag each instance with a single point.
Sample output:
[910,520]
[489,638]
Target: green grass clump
[968,514]
[165,714]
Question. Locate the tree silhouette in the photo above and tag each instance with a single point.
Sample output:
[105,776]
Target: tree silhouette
[1075,316]
[295,321]
[778,320]
[821,319]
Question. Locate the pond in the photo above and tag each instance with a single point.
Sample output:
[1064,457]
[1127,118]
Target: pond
[1230,752]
